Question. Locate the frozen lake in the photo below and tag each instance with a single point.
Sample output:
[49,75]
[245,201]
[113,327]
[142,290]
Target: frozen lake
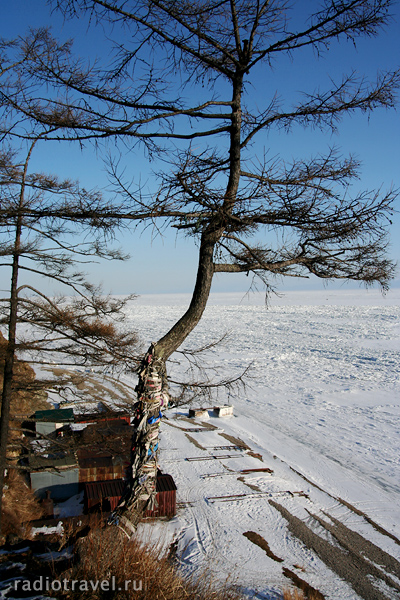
[324,372]
[323,399]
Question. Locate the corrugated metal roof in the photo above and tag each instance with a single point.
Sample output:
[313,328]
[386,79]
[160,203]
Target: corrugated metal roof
[165,483]
[98,489]
[55,415]
[104,489]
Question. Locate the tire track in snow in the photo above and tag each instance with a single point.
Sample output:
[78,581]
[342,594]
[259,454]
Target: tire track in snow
[346,561]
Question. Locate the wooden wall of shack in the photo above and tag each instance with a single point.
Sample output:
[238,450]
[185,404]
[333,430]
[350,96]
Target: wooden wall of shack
[105,495]
[102,495]
[165,497]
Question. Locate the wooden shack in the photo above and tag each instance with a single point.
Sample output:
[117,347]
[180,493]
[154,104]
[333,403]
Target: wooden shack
[102,495]
[98,466]
[104,451]
[105,495]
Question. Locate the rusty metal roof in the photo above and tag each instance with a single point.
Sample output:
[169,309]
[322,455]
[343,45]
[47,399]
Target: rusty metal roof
[104,489]
[101,416]
[115,487]
[165,483]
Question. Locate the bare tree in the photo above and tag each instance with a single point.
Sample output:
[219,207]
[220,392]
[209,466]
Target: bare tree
[217,187]
[82,328]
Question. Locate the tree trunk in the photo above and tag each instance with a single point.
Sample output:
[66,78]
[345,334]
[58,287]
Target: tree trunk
[152,391]
[8,374]
[140,492]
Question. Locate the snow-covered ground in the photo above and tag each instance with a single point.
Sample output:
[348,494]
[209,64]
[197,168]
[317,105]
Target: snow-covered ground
[322,408]
[301,485]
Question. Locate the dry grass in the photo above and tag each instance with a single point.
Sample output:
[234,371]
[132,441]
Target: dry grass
[293,594]
[296,594]
[106,553]
[20,505]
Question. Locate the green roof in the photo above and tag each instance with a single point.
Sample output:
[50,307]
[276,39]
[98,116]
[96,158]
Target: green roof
[55,415]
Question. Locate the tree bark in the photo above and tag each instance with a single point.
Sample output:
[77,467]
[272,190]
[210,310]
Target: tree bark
[179,332]
[8,374]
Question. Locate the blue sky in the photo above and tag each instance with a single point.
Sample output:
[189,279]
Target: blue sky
[168,264]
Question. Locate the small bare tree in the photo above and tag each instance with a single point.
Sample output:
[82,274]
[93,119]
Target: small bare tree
[218,188]
[81,329]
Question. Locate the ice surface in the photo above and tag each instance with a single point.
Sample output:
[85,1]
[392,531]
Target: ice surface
[323,401]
